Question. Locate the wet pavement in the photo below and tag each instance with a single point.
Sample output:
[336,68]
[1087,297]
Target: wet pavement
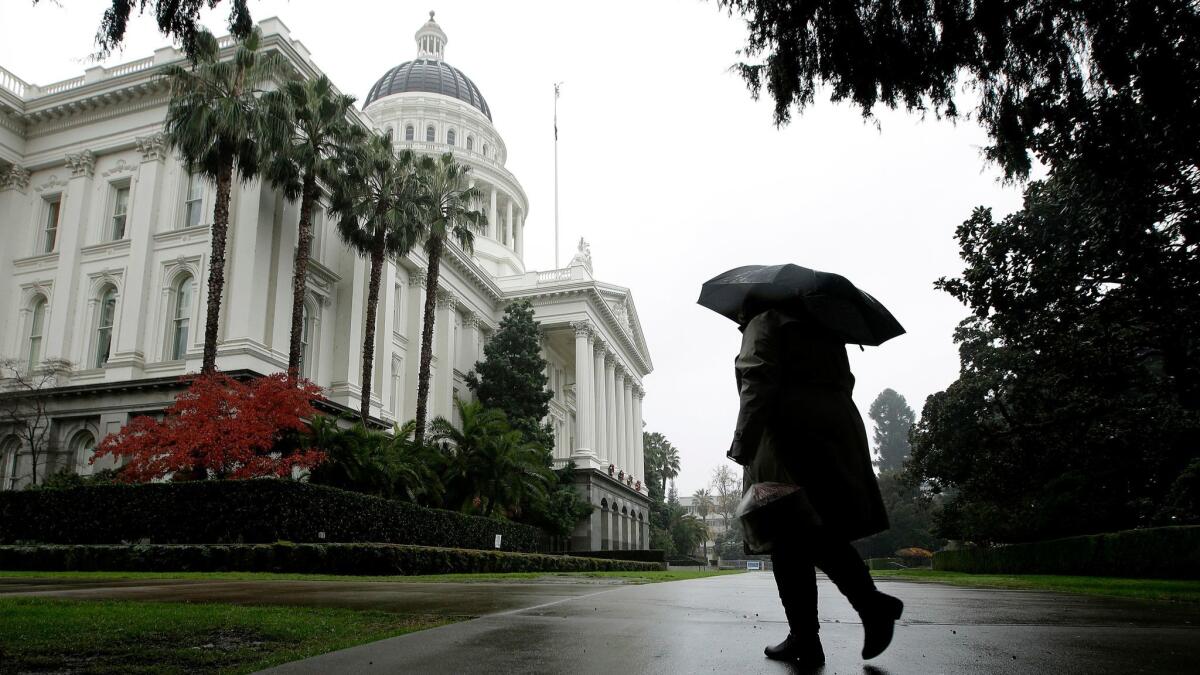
[718,624]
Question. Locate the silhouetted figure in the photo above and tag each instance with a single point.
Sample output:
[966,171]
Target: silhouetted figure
[798,425]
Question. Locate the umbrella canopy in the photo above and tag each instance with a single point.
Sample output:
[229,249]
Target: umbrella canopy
[834,303]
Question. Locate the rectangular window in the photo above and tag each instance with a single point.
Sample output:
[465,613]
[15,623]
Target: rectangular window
[50,228]
[193,202]
[397,314]
[317,219]
[120,212]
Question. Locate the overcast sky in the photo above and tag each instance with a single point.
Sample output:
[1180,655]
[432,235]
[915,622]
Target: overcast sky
[667,167]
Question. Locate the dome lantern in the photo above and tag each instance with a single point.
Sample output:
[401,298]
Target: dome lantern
[431,41]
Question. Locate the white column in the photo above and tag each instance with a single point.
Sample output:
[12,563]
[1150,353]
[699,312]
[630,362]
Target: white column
[508,226]
[584,409]
[639,455]
[629,422]
[621,435]
[610,408]
[130,348]
[443,349]
[493,226]
[598,403]
[414,312]
[72,223]
[14,204]
[520,234]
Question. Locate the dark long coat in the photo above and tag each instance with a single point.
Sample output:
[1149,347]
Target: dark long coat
[798,423]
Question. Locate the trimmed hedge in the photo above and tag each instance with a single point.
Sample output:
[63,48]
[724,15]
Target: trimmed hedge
[243,511]
[1155,553]
[348,559]
[648,555]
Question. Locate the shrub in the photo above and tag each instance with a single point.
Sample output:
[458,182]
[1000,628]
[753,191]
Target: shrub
[359,559]
[1161,552]
[646,555]
[221,427]
[237,511]
[375,463]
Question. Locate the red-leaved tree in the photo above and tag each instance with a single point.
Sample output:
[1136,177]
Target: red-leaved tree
[223,428]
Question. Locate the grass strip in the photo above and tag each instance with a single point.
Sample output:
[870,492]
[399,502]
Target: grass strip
[640,577]
[1171,590]
[101,636]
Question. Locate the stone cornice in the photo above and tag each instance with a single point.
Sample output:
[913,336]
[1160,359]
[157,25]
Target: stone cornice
[588,290]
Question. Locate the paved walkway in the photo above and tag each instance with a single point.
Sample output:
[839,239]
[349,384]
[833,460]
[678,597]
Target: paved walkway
[717,624]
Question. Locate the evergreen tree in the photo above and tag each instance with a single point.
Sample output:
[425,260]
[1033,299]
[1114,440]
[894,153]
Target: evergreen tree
[512,375]
[893,418]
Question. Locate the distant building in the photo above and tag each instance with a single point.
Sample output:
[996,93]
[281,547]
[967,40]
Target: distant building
[105,253]
[713,521]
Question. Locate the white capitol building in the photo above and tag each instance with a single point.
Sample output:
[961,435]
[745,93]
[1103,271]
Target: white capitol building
[104,263]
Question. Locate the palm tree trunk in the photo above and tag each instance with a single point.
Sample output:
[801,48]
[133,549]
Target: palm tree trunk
[216,267]
[368,351]
[308,194]
[431,285]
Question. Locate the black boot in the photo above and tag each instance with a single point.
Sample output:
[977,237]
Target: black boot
[879,613]
[806,652]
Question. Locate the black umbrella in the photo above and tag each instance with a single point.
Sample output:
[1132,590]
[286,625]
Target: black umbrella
[834,303]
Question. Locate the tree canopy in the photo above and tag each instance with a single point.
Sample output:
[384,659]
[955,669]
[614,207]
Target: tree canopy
[512,374]
[1047,73]
[1075,409]
[893,419]
[177,19]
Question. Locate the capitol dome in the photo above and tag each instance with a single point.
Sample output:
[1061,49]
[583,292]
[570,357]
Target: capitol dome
[429,73]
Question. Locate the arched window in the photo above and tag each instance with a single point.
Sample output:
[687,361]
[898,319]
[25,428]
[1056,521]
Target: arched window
[450,137]
[485,149]
[106,316]
[82,447]
[181,316]
[388,132]
[429,134]
[37,323]
[408,133]
[9,449]
[470,143]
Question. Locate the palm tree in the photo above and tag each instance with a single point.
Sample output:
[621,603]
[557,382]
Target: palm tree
[449,214]
[307,132]
[377,204]
[491,461]
[670,463]
[213,121]
[703,500]
[413,467]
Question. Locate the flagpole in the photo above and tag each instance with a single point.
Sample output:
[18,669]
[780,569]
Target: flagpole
[556,85]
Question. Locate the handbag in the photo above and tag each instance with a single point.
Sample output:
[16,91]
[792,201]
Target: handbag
[770,512]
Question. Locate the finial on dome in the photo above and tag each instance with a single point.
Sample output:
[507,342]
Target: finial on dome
[431,40]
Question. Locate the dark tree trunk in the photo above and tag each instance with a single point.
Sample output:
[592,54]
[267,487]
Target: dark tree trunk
[216,265]
[431,285]
[308,195]
[368,351]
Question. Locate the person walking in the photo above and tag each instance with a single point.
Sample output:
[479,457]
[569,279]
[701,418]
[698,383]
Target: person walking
[799,434]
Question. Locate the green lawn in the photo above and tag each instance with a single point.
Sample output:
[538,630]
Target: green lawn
[1112,587]
[629,577]
[140,637]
